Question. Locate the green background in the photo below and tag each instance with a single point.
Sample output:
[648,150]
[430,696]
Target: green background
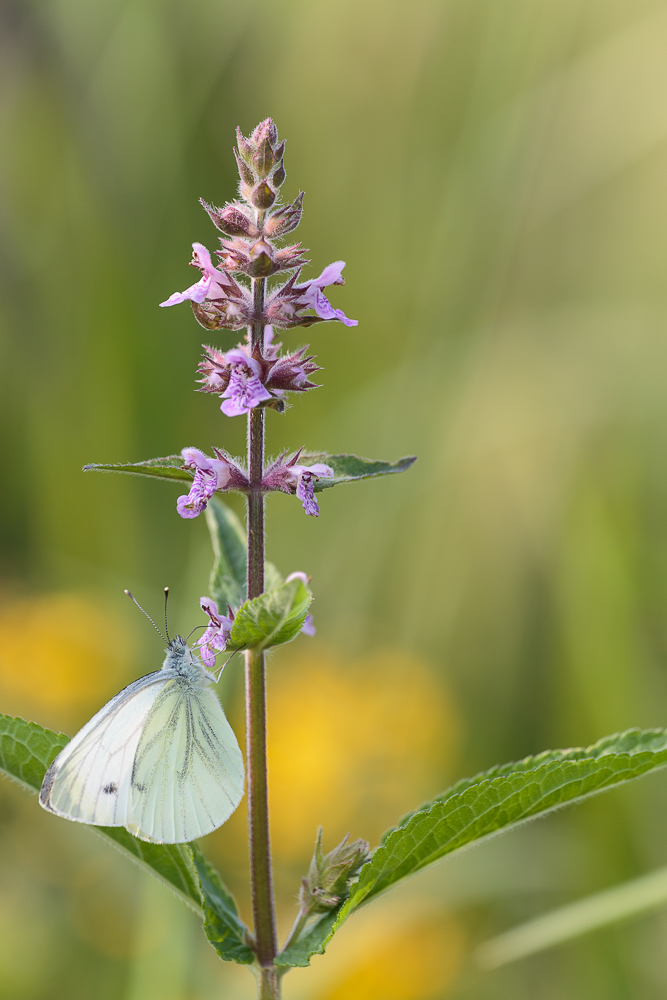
[494,175]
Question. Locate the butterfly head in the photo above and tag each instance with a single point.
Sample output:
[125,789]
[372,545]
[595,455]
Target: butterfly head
[180,658]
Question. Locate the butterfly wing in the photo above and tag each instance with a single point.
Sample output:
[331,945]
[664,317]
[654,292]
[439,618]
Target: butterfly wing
[188,771]
[89,781]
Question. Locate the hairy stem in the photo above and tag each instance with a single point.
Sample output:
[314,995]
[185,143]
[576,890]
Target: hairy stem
[258,804]
[268,984]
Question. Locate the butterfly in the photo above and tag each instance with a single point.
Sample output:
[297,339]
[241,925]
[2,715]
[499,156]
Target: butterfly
[159,759]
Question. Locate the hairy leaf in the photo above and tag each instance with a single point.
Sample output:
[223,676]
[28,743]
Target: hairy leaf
[500,799]
[272,618]
[170,467]
[222,925]
[348,468]
[228,576]
[311,943]
[26,751]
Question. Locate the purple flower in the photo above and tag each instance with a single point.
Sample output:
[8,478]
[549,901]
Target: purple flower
[244,379]
[315,299]
[211,474]
[302,476]
[244,389]
[212,285]
[308,627]
[284,306]
[216,636]
[290,477]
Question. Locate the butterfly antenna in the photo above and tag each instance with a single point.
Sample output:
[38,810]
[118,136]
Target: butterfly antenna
[133,598]
[166,598]
[225,664]
[194,630]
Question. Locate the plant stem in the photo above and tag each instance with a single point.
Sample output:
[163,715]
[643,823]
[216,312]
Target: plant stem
[268,984]
[258,812]
[258,804]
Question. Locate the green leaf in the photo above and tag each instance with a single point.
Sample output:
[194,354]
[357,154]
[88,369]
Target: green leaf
[348,468]
[272,618]
[27,750]
[172,864]
[500,799]
[311,943]
[228,576]
[170,467]
[568,922]
[222,925]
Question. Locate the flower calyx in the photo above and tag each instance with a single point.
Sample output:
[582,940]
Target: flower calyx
[290,477]
[211,475]
[329,876]
[259,259]
[285,307]
[246,377]
[217,300]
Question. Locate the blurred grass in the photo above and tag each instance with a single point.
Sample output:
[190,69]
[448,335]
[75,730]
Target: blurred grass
[494,177]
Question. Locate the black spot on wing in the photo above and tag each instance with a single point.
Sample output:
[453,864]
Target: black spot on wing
[111,788]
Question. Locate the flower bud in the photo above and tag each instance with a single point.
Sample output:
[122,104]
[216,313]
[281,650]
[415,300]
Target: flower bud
[285,219]
[261,263]
[278,175]
[231,220]
[245,149]
[245,173]
[262,196]
[329,875]
[222,315]
[265,129]
[263,160]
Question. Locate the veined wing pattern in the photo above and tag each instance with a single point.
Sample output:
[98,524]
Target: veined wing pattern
[89,781]
[188,774]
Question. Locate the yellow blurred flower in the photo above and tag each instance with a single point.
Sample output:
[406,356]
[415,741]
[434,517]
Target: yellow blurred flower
[352,745]
[416,962]
[60,657]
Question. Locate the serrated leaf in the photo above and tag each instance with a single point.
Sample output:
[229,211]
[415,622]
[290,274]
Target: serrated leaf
[311,943]
[501,799]
[348,468]
[271,619]
[222,924]
[170,467]
[228,576]
[27,750]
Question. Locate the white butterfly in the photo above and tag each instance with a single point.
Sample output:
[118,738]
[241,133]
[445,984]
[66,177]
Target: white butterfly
[159,759]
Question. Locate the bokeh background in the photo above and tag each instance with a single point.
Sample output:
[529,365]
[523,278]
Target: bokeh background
[494,176]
